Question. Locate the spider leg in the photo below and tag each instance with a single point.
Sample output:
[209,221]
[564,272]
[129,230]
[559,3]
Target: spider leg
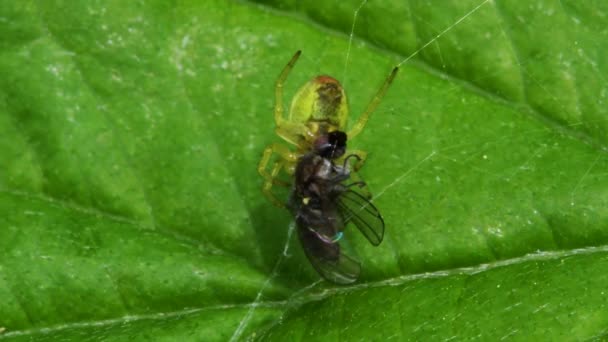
[292,132]
[358,127]
[279,149]
[275,172]
[269,182]
[267,190]
[278,90]
[270,178]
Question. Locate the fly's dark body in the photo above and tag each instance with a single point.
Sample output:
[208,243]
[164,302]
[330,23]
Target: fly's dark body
[323,204]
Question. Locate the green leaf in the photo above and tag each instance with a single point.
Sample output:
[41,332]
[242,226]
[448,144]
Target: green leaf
[130,202]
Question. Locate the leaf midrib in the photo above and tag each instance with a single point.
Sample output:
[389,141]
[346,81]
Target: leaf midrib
[135,318]
[303,299]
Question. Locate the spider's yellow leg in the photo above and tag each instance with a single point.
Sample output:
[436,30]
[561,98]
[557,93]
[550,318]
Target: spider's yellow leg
[267,189]
[294,133]
[282,151]
[278,90]
[269,182]
[361,160]
[275,172]
[290,168]
[290,131]
[358,127]
[286,158]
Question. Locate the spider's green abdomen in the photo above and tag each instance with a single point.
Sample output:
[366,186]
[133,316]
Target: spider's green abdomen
[321,105]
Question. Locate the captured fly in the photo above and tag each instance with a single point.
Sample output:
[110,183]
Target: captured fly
[323,203]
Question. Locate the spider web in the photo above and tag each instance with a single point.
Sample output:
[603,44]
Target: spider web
[451,153]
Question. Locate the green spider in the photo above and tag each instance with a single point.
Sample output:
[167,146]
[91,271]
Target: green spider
[319,107]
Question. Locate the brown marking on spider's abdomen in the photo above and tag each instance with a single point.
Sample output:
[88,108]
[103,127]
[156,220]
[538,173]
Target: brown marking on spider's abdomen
[330,95]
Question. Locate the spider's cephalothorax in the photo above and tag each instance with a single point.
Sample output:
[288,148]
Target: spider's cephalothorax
[318,109]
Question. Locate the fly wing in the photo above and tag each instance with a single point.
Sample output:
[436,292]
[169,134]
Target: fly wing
[357,209]
[327,258]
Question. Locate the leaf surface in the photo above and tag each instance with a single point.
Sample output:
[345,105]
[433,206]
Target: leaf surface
[130,200]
